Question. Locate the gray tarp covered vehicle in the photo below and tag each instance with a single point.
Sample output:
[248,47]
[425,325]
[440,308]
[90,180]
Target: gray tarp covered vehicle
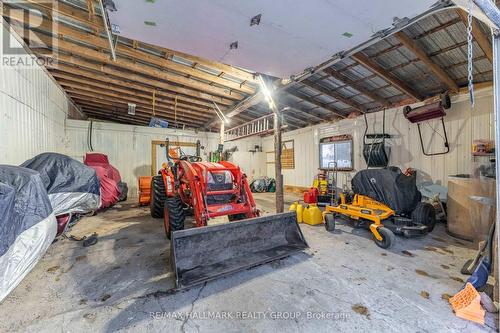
[72,186]
[27,224]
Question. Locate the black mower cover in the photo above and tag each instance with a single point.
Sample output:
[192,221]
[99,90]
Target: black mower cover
[27,224]
[389,186]
[72,186]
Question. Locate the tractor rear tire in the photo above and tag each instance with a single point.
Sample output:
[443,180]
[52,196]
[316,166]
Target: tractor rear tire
[173,215]
[158,196]
[424,214]
[388,238]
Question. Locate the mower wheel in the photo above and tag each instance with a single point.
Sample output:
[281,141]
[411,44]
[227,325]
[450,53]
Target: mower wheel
[173,215]
[237,217]
[424,214]
[388,238]
[330,222]
[158,196]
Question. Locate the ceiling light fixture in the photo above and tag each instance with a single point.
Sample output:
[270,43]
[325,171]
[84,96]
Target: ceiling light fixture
[267,93]
[220,114]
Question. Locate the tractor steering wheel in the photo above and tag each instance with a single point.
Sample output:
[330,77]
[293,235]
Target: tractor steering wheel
[190,158]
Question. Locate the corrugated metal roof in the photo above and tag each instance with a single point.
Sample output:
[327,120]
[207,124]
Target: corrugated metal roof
[441,36]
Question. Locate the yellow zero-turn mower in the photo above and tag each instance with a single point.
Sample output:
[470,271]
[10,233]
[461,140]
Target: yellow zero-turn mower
[410,217]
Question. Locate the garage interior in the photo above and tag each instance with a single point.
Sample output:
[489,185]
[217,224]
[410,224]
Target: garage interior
[184,166]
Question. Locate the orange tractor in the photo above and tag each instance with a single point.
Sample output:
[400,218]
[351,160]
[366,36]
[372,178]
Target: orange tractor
[187,186]
[205,189]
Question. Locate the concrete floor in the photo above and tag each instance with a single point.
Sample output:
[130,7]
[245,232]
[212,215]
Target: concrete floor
[344,282]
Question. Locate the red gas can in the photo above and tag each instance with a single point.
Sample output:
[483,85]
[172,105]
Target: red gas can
[311,196]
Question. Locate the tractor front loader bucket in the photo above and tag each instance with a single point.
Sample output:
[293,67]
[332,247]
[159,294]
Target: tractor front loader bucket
[206,253]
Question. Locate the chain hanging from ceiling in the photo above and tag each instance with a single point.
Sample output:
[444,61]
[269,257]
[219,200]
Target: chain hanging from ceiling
[470,69]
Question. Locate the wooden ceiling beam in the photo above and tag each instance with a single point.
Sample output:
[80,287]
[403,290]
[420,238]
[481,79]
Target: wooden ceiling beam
[316,103]
[63,78]
[440,73]
[82,64]
[94,55]
[95,116]
[112,115]
[72,12]
[335,95]
[479,36]
[105,104]
[91,97]
[145,103]
[347,81]
[380,71]
[74,73]
[124,100]
[95,22]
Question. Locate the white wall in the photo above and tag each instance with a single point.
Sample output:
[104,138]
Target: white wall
[128,147]
[252,163]
[462,125]
[33,110]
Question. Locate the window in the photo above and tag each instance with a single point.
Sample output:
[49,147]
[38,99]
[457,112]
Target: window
[287,155]
[336,152]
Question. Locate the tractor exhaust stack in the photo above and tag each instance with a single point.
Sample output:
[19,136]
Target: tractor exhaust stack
[206,253]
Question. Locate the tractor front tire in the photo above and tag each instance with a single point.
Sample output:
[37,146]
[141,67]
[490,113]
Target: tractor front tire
[388,238]
[173,215]
[158,196]
[424,214]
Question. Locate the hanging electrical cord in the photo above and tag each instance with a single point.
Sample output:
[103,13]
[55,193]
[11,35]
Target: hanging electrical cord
[470,74]
[89,136]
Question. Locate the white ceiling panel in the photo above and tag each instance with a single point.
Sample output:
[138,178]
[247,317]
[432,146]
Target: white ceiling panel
[292,35]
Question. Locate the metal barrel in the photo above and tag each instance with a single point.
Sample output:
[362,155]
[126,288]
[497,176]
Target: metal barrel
[207,253]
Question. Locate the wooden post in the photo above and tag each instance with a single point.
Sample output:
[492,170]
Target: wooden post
[277,161]
[221,133]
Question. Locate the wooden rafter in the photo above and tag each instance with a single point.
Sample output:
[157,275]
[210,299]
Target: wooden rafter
[347,81]
[141,70]
[335,95]
[164,110]
[315,102]
[96,23]
[99,84]
[85,65]
[440,73]
[83,99]
[380,71]
[71,72]
[127,94]
[94,55]
[481,39]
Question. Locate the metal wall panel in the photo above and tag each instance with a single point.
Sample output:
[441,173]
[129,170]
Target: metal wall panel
[128,147]
[32,113]
[462,124]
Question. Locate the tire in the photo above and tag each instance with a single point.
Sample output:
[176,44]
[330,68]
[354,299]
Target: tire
[388,238]
[236,217]
[158,196]
[173,215]
[330,222]
[424,214]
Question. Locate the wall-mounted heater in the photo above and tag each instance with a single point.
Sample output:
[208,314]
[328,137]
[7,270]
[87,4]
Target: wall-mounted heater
[428,112]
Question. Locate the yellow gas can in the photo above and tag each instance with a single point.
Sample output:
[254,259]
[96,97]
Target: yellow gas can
[312,215]
[298,208]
